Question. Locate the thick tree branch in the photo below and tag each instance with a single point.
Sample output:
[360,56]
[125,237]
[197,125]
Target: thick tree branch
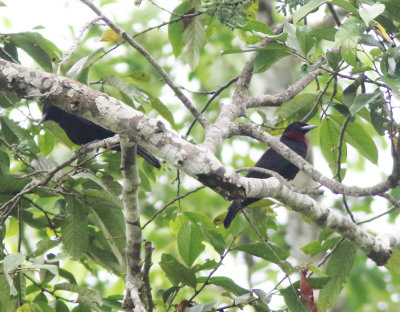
[290,93]
[193,160]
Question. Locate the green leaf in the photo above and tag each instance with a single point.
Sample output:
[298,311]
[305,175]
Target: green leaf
[292,300]
[271,253]
[194,38]
[200,219]
[46,143]
[393,264]
[226,283]
[10,184]
[347,37]
[4,163]
[359,138]
[345,5]
[305,40]
[334,58]
[80,70]
[43,51]
[329,133]
[327,33]
[177,272]
[86,293]
[338,269]
[259,27]
[364,99]
[268,56]
[189,242]
[296,108]
[18,136]
[380,115]
[215,239]
[163,110]
[75,235]
[12,261]
[306,9]
[175,30]
[392,83]
[128,89]
[42,246]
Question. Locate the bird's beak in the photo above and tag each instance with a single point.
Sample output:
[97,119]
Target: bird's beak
[42,120]
[308,127]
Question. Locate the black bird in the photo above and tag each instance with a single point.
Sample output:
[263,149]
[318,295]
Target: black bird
[294,138]
[82,131]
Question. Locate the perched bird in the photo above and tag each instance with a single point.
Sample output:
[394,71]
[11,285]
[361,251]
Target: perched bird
[294,138]
[82,131]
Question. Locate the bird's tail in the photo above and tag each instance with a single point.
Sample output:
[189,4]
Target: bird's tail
[233,209]
[148,157]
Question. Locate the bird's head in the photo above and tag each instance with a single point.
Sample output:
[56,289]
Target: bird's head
[51,113]
[299,126]
[297,130]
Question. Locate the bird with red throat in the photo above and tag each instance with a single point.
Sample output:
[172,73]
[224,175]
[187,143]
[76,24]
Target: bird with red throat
[294,138]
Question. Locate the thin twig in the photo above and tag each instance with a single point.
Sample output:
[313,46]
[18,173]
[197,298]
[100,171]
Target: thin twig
[212,98]
[262,239]
[222,257]
[170,203]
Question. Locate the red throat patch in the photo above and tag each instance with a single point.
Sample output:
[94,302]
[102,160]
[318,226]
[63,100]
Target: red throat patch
[296,135]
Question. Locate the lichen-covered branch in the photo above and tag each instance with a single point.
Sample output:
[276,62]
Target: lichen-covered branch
[130,184]
[195,161]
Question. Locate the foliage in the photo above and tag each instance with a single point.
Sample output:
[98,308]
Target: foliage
[63,244]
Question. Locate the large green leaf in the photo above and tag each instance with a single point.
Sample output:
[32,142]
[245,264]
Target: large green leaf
[296,108]
[347,5]
[347,37]
[271,253]
[18,136]
[189,242]
[175,30]
[293,300]
[226,283]
[393,264]
[338,269]
[329,133]
[80,70]
[75,234]
[364,99]
[268,56]
[194,38]
[84,292]
[306,9]
[43,51]
[177,272]
[359,138]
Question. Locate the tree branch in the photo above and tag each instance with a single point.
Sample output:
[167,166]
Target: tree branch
[131,181]
[194,160]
